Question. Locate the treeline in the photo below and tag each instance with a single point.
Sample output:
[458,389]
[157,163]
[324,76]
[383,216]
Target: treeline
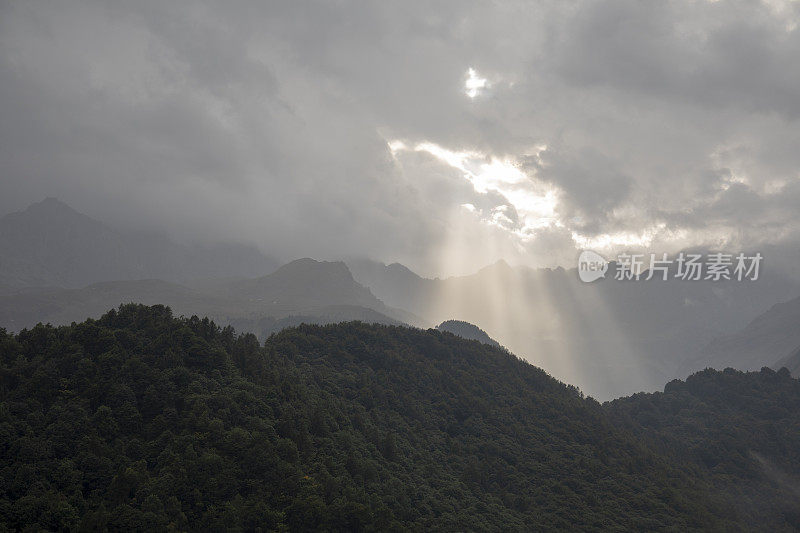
[144,421]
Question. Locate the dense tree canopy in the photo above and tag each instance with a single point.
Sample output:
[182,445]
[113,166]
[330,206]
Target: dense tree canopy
[144,421]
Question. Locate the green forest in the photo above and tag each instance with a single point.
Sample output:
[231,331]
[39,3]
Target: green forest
[144,421]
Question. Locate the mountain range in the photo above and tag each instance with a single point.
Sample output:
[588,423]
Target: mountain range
[304,290]
[60,266]
[609,337]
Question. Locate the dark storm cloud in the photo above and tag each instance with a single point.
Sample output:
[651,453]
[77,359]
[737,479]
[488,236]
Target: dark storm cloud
[736,55]
[271,123]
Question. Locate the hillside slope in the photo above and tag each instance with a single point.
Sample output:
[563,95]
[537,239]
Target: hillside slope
[767,339]
[610,338]
[740,430]
[791,362]
[143,421]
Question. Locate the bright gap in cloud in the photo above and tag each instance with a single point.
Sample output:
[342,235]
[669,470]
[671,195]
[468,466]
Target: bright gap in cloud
[533,201]
[608,241]
[474,83]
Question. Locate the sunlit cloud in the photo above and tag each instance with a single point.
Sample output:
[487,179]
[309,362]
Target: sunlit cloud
[534,201]
[474,84]
[606,241]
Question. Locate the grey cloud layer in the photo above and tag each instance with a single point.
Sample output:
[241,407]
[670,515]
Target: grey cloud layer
[269,122]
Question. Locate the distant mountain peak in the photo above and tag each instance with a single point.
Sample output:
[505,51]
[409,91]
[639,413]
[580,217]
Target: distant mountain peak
[468,331]
[791,362]
[307,283]
[49,201]
[46,211]
[52,205]
[307,265]
[499,266]
[399,267]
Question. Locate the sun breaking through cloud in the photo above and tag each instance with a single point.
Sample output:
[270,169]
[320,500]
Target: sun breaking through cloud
[474,84]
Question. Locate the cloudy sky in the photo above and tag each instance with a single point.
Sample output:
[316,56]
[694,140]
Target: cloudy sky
[443,135]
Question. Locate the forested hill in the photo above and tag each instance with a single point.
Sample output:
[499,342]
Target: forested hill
[742,429]
[144,421]
[467,331]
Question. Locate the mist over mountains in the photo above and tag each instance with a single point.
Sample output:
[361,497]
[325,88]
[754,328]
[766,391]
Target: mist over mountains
[51,244]
[323,294]
[768,338]
[609,338]
[791,363]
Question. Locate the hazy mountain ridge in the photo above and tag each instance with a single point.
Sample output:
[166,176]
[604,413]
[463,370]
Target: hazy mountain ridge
[767,340]
[791,363]
[302,284]
[609,337]
[61,266]
[51,244]
[319,292]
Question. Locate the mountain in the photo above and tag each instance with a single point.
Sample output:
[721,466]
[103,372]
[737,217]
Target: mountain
[305,291]
[397,284]
[765,341]
[465,330]
[60,266]
[305,283]
[25,308]
[608,337]
[51,244]
[141,421]
[738,430]
[791,363]
[301,291]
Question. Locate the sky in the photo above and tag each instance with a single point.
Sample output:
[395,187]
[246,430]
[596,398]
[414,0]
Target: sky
[443,135]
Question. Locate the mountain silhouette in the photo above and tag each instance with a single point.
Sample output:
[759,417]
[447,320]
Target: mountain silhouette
[770,339]
[51,244]
[301,291]
[465,330]
[608,337]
